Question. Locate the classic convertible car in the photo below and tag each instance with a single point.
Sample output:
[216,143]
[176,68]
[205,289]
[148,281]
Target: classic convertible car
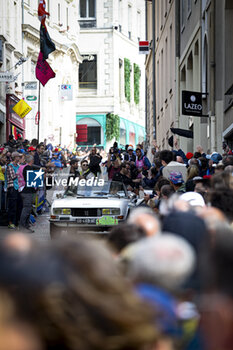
[93,209]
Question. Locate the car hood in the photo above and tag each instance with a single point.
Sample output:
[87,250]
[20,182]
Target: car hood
[71,202]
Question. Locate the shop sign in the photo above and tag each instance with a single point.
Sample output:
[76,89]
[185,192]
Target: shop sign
[30,85]
[22,108]
[31,98]
[66,92]
[6,77]
[192,104]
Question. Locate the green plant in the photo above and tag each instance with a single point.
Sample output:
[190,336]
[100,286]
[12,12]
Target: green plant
[137,75]
[127,71]
[112,126]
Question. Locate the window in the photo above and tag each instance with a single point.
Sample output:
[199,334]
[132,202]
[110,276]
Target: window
[189,7]
[141,136]
[87,13]
[132,135]
[120,15]
[59,13]
[87,8]
[130,21]
[67,18]
[139,24]
[182,13]
[122,133]
[88,132]
[88,73]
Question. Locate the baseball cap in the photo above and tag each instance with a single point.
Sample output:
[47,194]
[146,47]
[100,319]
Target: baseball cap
[215,157]
[193,198]
[130,148]
[176,177]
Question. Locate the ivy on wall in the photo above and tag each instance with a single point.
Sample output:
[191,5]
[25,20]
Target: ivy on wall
[127,69]
[137,75]
[112,126]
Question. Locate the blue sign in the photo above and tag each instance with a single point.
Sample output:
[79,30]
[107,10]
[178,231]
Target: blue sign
[35,178]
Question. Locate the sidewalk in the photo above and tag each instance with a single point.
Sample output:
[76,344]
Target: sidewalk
[41,229]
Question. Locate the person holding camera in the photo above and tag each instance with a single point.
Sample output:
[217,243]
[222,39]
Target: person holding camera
[113,164]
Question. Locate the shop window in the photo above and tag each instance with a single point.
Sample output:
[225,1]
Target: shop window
[88,73]
[140,135]
[122,133]
[132,135]
[88,132]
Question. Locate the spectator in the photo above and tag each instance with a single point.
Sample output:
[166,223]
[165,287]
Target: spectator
[177,181]
[145,218]
[11,183]
[170,165]
[27,195]
[85,172]
[38,153]
[95,159]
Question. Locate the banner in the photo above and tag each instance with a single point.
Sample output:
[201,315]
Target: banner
[22,108]
[43,70]
[46,44]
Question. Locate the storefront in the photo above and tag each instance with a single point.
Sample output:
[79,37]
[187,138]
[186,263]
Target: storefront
[14,124]
[91,129]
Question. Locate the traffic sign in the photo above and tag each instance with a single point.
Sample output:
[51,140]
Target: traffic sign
[6,77]
[144,47]
[30,85]
[31,98]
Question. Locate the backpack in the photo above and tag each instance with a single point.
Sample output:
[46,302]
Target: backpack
[21,180]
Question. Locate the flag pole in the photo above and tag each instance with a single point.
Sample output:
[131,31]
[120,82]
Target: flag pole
[38,130]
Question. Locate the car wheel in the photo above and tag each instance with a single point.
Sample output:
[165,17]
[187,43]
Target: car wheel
[55,231]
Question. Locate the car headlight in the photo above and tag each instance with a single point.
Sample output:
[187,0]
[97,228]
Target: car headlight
[109,211]
[59,211]
[66,211]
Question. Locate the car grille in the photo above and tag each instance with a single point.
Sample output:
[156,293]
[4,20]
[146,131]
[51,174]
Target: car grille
[83,212]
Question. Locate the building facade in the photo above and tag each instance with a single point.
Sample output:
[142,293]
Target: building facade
[199,61]
[20,37]
[112,74]
[165,71]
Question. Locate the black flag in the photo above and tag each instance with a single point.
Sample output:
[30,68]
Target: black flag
[182,132]
[46,44]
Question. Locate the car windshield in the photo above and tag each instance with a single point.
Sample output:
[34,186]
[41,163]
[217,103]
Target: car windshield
[98,190]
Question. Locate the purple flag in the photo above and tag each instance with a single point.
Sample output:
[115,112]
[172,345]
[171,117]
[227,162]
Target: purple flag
[43,70]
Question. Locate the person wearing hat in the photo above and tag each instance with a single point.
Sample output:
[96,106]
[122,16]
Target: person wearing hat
[129,156]
[12,186]
[177,181]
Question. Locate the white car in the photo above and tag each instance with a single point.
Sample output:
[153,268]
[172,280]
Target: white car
[93,209]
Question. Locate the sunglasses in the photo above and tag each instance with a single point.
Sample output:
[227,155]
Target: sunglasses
[85,164]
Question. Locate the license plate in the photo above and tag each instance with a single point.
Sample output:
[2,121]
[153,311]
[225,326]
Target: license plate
[86,221]
[107,221]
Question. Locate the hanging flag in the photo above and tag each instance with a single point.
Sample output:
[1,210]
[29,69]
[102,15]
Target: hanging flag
[46,44]
[41,12]
[22,108]
[182,132]
[43,70]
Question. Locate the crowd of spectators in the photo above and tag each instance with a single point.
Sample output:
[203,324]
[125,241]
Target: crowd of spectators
[160,281]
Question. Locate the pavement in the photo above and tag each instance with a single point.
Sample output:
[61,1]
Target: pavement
[41,229]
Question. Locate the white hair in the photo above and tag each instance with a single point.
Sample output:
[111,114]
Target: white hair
[164,260]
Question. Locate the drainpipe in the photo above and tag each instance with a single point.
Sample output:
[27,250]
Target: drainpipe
[212,86]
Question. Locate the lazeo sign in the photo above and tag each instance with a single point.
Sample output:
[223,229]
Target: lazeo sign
[192,104]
